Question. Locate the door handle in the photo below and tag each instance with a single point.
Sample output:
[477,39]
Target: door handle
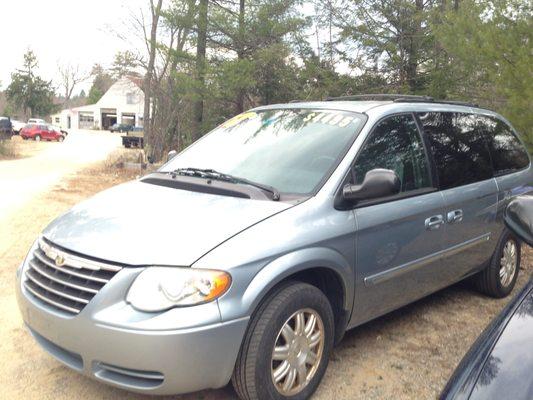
[434,222]
[455,216]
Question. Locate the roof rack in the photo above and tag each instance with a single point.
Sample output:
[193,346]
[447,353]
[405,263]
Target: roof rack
[400,98]
[457,103]
[382,97]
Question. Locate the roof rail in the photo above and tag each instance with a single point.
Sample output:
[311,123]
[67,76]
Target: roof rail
[401,98]
[458,103]
[382,97]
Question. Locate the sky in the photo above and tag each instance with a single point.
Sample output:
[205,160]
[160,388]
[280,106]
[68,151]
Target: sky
[75,32]
[67,32]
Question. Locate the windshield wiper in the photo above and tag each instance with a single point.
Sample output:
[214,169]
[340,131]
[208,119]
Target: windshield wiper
[220,176]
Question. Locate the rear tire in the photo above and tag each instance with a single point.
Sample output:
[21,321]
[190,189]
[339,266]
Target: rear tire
[296,319]
[60,139]
[37,138]
[499,278]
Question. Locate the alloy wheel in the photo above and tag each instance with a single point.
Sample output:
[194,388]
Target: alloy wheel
[508,263]
[297,352]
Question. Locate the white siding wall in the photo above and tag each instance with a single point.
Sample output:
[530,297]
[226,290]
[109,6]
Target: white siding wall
[124,96]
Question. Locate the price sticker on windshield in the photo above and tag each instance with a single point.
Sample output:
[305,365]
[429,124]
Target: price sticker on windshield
[330,118]
[239,118]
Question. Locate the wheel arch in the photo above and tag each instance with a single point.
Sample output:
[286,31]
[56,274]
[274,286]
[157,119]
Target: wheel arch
[323,268]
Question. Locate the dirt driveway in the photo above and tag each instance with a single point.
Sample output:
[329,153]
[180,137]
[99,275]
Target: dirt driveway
[23,178]
[408,354]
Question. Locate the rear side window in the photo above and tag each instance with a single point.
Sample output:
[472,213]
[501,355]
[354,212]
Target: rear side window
[459,149]
[507,153]
[395,144]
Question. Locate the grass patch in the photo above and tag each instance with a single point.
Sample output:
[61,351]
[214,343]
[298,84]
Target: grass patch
[7,150]
[114,168]
[119,157]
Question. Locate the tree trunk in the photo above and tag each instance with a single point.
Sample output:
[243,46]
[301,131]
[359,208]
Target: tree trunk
[240,55]
[413,50]
[148,126]
[201,47]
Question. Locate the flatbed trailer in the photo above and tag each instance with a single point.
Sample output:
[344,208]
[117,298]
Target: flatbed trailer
[133,139]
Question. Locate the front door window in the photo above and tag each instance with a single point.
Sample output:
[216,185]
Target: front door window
[395,144]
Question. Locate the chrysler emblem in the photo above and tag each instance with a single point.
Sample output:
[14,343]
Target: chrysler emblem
[60,260]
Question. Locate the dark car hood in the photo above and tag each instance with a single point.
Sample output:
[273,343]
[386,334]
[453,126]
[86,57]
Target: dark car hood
[142,224]
[499,364]
[508,370]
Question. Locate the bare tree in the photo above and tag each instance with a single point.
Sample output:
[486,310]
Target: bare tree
[151,43]
[201,47]
[70,77]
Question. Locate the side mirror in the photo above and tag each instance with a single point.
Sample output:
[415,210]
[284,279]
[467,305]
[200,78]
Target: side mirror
[377,183]
[171,154]
[518,217]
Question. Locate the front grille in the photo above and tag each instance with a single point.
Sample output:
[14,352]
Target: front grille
[63,280]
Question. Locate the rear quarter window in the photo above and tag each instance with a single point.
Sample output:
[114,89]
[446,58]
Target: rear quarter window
[507,153]
[459,149]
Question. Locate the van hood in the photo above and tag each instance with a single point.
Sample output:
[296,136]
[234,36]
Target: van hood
[143,224]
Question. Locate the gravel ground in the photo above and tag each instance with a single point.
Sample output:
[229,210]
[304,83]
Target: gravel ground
[408,354]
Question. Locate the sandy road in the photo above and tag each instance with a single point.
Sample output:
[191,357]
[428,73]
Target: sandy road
[24,178]
[408,354]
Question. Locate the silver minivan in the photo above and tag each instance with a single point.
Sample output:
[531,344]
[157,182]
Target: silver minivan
[249,254]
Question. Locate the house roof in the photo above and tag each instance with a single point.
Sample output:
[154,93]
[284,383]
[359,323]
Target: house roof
[137,79]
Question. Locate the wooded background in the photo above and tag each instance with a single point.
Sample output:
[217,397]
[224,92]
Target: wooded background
[203,61]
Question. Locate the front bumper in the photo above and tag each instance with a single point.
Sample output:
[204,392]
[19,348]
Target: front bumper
[111,342]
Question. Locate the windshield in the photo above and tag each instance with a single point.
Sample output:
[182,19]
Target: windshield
[292,150]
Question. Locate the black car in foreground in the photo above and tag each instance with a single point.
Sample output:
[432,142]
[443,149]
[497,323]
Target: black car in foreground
[500,363]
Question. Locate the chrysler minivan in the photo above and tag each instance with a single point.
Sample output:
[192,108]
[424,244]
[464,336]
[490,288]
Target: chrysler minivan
[247,256]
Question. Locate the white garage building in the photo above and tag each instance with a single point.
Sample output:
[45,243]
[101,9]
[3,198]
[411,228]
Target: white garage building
[122,103]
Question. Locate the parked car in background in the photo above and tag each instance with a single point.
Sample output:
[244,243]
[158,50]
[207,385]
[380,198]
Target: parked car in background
[500,363]
[120,128]
[36,121]
[257,247]
[59,129]
[40,132]
[6,128]
[134,138]
[17,126]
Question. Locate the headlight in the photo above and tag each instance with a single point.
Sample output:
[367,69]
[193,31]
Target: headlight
[161,288]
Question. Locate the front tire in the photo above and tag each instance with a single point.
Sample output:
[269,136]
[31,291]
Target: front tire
[499,278]
[286,349]
[60,139]
[37,138]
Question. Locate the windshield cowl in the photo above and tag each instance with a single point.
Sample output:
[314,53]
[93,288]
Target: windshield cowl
[211,186]
[211,174]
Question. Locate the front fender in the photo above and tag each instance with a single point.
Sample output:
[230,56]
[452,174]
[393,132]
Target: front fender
[238,305]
